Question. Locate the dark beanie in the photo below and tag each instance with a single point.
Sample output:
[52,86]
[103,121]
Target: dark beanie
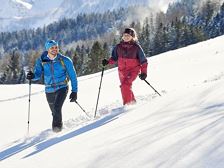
[130,31]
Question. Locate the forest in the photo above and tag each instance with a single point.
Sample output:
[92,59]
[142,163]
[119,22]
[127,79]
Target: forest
[89,38]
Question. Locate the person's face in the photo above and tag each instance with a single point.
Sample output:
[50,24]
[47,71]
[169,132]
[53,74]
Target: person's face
[53,50]
[127,37]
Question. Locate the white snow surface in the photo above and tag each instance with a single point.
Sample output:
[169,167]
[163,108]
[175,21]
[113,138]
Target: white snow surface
[181,129]
[27,5]
[39,13]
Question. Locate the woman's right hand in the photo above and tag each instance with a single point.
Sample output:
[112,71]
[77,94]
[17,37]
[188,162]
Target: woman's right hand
[105,62]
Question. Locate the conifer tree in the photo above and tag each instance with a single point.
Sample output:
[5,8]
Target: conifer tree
[144,37]
[13,68]
[95,57]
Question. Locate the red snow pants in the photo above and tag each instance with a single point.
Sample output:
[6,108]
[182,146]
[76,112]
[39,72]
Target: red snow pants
[127,75]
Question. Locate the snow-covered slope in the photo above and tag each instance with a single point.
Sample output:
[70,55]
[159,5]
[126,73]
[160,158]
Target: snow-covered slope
[19,14]
[181,129]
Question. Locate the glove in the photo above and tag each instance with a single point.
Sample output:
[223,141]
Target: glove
[30,75]
[73,97]
[105,62]
[142,76]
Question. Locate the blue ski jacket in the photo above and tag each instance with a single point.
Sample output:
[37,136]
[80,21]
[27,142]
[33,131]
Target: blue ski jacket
[56,72]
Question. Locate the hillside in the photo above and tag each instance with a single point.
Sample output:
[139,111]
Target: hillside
[181,129]
[20,14]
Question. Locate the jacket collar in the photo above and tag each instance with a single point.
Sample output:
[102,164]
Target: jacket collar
[45,58]
[127,44]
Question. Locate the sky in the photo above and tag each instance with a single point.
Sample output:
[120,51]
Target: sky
[183,128]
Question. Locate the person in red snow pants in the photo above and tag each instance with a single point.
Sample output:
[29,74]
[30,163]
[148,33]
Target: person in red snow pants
[131,62]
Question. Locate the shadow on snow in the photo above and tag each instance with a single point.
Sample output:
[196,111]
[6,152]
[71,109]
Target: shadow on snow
[43,143]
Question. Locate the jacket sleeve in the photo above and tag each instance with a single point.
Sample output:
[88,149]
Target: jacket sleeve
[71,73]
[114,56]
[142,59]
[38,70]
[144,68]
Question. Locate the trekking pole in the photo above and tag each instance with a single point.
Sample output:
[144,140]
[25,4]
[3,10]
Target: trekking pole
[82,109]
[152,87]
[99,91]
[28,122]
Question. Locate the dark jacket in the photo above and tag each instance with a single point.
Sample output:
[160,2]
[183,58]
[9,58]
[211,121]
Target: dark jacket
[129,56]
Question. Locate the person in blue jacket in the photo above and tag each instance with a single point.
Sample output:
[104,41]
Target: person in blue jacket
[56,69]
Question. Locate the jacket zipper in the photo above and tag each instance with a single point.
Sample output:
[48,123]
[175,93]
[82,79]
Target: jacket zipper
[52,74]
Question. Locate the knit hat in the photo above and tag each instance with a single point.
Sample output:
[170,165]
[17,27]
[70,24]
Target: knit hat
[130,31]
[50,43]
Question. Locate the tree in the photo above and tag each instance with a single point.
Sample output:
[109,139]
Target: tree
[95,57]
[145,37]
[216,27]
[161,39]
[13,68]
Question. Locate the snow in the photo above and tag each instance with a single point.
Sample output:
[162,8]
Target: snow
[37,13]
[27,5]
[183,128]
[161,4]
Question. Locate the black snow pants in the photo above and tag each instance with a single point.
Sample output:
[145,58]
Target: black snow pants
[56,101]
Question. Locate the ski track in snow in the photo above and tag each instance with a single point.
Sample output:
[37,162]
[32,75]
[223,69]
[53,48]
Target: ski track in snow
[71,128]
[76,126]
[181,129]
[40,92]
[20,97]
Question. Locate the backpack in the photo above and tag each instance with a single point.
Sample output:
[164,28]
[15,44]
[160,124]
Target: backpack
[64,67]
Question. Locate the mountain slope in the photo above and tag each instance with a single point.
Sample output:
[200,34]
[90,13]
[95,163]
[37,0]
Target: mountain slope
[19,14]
[181,129]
